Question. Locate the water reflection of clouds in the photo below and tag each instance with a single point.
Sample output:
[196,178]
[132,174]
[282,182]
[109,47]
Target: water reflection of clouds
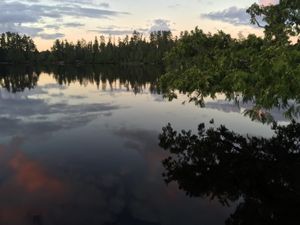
[32,93]
[35,116]
[25,186]
[152,198]
[144,142]
[31,194]
[232,107]
[95,194]
[106,183]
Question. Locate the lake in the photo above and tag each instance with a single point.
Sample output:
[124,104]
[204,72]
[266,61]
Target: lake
[80,145]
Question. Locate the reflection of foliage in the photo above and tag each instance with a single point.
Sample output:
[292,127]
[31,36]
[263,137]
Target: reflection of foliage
[16,79]
[133,78]
[218,163]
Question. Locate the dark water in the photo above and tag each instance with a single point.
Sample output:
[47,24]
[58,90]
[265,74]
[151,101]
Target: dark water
[80,146]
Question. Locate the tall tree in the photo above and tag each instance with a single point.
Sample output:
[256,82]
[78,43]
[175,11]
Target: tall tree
[280,21]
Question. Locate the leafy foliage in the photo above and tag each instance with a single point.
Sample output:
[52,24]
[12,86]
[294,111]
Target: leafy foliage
[281,20]
[262,70]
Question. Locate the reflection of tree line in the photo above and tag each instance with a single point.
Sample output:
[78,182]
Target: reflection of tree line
[17,79]
[260,174]
[136,79]
[131,77]
[139,78]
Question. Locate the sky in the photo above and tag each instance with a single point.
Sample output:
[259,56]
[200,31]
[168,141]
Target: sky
[47,20]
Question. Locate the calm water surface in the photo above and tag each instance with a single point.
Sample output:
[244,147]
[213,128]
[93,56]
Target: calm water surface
[80,146]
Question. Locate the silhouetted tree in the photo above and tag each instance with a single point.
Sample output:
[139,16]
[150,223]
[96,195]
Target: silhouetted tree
[15,48]
[131,50]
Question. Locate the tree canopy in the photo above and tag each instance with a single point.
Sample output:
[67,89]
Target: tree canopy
[15,48]
[264,70]
[280,21]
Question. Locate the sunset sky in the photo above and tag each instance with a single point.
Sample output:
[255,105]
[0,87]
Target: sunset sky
[46,20]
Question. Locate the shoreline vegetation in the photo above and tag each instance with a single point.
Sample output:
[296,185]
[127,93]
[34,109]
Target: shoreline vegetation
[131,50]
[264,70]
[199,50]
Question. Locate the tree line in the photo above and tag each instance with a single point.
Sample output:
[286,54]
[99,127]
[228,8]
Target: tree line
[134,49]
[15,48]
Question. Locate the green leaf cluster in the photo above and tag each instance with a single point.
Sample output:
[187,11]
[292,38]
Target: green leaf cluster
[263,70]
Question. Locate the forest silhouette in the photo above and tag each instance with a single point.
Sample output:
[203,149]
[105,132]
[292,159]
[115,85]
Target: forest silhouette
[136,49]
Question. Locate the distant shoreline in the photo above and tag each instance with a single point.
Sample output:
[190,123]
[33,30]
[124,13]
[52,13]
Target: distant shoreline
[79,64]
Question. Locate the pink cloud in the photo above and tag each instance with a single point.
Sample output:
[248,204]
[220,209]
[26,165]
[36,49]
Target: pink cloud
[268,2]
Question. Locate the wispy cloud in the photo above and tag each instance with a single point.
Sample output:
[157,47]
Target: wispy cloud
[155,25]
[50,36]
[232,15]
[73,24]
[117,30]
[160,25]
[15,14]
